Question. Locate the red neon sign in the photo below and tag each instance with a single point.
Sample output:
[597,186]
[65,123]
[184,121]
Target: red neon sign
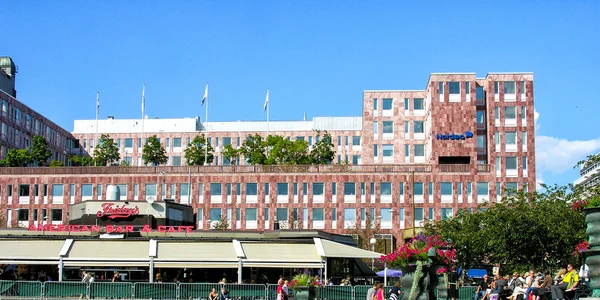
[117,212]
[108,228]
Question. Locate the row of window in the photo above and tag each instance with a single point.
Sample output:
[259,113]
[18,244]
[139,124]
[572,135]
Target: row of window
[387,150]
[454,88]
[56,214]
[388,127]
[281,188]
[387,103]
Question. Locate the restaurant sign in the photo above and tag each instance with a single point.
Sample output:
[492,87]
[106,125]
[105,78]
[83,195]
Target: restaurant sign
[112,211]
[108,228]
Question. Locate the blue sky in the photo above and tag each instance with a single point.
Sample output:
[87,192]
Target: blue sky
[315,56]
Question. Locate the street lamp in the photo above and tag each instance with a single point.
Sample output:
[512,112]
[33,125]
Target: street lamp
[373,241]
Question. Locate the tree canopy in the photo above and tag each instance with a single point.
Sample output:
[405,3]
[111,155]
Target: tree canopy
[154,153]
[199,152]
[106,153]
[16,158]
[39,150]
[523,231]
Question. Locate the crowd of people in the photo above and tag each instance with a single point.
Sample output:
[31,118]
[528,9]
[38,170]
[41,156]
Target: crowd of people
[527,286]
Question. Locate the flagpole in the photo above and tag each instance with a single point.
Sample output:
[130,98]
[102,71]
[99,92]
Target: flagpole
[143,114]
[268,108]
[97,113]
[206,141]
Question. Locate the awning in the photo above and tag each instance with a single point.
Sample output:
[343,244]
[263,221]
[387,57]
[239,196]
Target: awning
[281,255]
[108,253]
[196,255]
[30,251]
[333,249]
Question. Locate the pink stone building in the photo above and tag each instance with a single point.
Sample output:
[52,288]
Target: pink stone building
[412,156]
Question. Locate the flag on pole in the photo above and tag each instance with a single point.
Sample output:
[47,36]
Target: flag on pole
[97,103]
[267,100]
[205,95]
[143,100]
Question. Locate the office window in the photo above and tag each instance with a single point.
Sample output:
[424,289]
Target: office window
[401,215]
[446,188]
[266,188]
[522,84]
[317,189]
[23,214]
[282,214]
[349,214]
[176,161]
[388,150]
[356,141]
[524,138]
[418,104]
[446,213]
[401,188]
[282,189]
[512,186]
[375,150]
[511,137]
[459,188]
[349,188]
[479,94]
[467,88]
[480,141]
[495,87]
[334,214]
[184,190]
[295,189]
[388,126]
[339,140]
[497,113]
[238,189]
[523,113]
[385,188]
[215,189]
[57,190]
[418,213]
[480,115]
[385,214]
[23,190]
[56,214]
[387,104]
[419,150]
[454,88]
[355,159]
[511,163]
[418,188]
[406,127]
[310,139]
[406,150]
[482,189]
[524,162]
[406,101]
[86,190]
[228,189]
[469,188]
[375,127]
[430,214]
[318,214]
[510,112]
[167,143]
[375,104]
[498,163]
[419,127]
[35,214]
[430,188]
[128,143]
[251,214]
[498,188]
[441,87]
[334,188]
[226,141]
[509,87]
[215,214]
[251,189]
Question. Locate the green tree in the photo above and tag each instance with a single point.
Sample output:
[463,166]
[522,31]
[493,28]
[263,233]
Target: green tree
[524,230]
[56,163]
[322,152]
[154,153]
[254,150]
[107,152]
[231,154]
[199,152]
[222,224]
[39,150]
[17,158]
[282,151]
[77,161]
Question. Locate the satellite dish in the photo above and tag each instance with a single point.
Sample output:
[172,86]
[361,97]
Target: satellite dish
[150,200]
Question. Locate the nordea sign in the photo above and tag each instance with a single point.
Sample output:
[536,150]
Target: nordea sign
[454,136]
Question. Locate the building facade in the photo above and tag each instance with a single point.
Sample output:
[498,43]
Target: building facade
[412,156]
[589,176]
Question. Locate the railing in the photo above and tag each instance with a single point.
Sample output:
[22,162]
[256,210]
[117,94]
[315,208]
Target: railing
[483,168]
[417,168]
[144,290]
[481,126]
[480,102]
[455,168]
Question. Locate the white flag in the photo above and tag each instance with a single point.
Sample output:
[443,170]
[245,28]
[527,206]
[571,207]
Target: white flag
[97,103]
[143,100]
[205,95]
[267,100]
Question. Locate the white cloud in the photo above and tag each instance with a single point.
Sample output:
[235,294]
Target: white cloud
[557,155]
[538,181]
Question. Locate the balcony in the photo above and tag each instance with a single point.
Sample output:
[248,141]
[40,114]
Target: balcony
[483,168]
[454,168]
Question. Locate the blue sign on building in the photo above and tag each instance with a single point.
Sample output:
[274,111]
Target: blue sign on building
[454,136]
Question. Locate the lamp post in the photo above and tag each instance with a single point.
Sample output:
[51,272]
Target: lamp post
[373,241]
